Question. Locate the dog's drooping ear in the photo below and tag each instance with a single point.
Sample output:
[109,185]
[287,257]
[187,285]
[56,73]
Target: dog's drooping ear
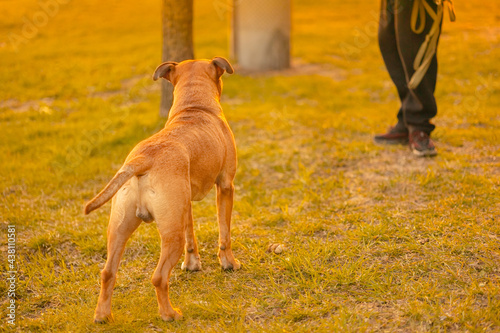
[221,64]
[164,70]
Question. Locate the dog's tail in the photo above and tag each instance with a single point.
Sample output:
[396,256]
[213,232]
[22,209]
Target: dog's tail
[136,166]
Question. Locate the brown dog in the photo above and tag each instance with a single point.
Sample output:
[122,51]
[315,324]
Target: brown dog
[163,173]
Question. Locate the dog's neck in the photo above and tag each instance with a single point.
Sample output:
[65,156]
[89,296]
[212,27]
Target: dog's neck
[196,94]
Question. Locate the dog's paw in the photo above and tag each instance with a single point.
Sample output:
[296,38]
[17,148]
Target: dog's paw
[192,266]
[230,265]
[103,319]
[227,259]
[175,314]
[191,263]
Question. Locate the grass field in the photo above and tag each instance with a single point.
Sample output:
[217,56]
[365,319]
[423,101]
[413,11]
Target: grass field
[376,240]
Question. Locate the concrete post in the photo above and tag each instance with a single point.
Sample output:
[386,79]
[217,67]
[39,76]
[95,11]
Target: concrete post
[261,34]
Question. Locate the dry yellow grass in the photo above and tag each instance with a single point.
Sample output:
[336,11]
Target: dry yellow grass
[376,240]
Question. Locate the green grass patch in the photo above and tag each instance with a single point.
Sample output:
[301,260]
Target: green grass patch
[376,240]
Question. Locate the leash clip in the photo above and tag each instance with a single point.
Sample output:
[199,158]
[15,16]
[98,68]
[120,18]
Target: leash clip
[451,9]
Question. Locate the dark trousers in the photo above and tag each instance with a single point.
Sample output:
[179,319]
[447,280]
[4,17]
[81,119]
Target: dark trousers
[399,46]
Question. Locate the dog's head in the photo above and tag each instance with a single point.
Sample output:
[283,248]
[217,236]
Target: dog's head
[194,69]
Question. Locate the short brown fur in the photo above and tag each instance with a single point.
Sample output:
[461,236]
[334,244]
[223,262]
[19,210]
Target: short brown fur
[164,173]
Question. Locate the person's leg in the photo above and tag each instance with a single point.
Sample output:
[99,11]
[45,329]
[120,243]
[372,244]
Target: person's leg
[389,50]
[419,105]
[390,54]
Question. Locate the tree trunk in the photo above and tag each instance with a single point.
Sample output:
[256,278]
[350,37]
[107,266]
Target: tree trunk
[177,42]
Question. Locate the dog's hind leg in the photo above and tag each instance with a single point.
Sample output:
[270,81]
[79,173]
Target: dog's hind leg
[122,224]
[192,257]
[225,193]
[172,212]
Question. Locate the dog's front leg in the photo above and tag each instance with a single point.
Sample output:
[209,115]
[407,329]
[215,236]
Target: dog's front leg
[225,193]
[192,257]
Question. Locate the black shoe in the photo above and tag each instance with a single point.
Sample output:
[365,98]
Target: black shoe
[421,144]
[393,136]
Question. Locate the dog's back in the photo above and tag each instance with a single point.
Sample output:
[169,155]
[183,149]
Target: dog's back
[196,135]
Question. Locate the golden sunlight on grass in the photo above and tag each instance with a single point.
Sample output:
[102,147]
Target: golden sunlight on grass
[372,238]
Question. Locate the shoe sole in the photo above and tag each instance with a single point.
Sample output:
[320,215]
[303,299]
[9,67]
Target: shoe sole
[391,142]
[425,153]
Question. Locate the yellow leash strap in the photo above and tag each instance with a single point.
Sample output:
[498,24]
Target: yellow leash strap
[451,9]
[428,49]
